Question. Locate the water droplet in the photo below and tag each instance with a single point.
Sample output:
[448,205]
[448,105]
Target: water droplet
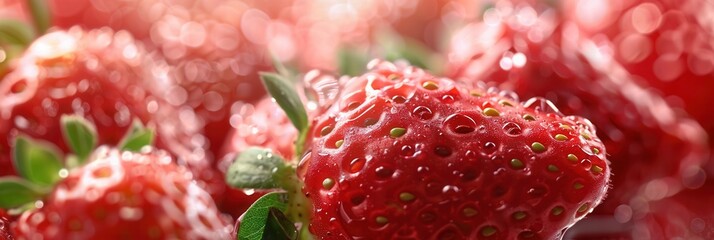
[423,113]
[321,87]
[542,105]
[489,148]
[408,151]
[447,99]
[355,165]
[449,189]
[512,129]
[460,124]
[442,151]
[383,172]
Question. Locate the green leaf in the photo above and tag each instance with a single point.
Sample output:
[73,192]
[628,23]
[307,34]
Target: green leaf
[278,226]
[255,219]
[256,168]
[137,137]
[351,61]
[40,12]
[80,135]
[287,98]
[15,192]
[14,32]
[39,162]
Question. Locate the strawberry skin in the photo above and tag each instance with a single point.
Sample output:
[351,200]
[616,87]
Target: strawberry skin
[102,75]
[649,143]
[124,195]
[5,226]
[413,156]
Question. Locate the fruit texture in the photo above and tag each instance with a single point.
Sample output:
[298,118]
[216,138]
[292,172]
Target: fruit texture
[412,156]
[102,75]
[655,150]
[124,195]
[5,226]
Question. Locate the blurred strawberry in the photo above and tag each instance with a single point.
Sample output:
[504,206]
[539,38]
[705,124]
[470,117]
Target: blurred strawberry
[102,75]
[214,48]
[655,151]
[264,125]
[667,43]
[131,191]
[687,215]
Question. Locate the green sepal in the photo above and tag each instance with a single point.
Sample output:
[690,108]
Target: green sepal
[137,137]
[37,161]
[352,62]
[254,222]
[14,32]
[16,192]
[287,98]
[257,168]
[80,135]
[40,13]
[395,47]
[278,226]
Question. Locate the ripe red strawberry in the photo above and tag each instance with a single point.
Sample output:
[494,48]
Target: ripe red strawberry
[650,144]
[102,75]
[124,195]
[413,156]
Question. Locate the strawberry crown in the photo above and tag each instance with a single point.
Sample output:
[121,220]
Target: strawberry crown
[40,166]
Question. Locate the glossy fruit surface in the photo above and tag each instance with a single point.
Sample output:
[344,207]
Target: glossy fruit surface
[410,155]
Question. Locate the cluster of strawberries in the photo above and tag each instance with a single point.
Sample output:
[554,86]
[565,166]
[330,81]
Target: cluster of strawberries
[493,119]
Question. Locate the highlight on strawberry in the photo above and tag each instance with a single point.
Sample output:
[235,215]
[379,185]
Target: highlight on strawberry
[402,154]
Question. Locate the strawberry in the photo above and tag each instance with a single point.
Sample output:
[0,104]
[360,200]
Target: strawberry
[650,144]
[110,192]
[125,196]
[164,203]
[102,75]
[215,49]
[265,125]
[667,44]
[414,156]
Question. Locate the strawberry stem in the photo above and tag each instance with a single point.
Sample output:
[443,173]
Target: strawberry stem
[299,206]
